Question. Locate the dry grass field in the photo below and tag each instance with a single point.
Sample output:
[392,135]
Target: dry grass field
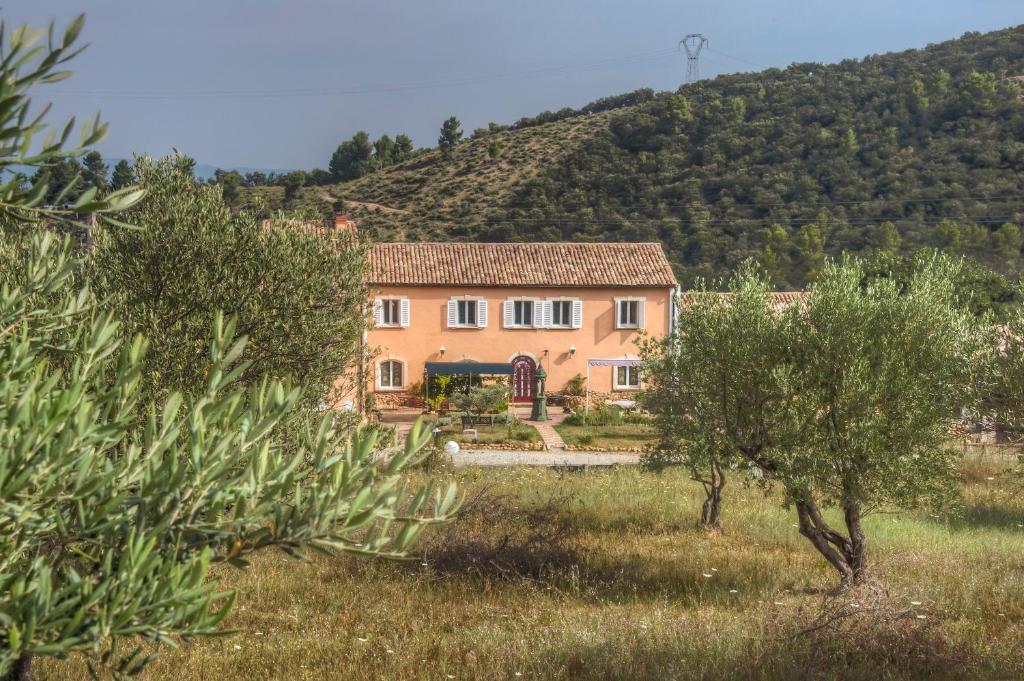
[604,575]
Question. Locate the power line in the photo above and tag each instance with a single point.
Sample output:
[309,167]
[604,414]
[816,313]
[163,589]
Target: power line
[738,59]
[375,89]
[860,222]
[832,204]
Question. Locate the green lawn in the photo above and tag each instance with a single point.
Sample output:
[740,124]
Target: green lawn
[604,575]
[622,436]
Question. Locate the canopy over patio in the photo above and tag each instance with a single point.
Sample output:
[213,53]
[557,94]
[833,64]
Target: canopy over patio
[469,369]
[464,368]
[607,362]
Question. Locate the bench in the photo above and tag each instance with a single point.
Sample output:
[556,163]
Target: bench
[479,420]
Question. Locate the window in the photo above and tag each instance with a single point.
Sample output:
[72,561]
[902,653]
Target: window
[522,312]
[629,313]
[466,313]
[561,313]
[389,312]
[627,378]
[391,374]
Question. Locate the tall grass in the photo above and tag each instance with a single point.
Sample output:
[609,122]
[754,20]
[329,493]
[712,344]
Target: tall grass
[636,591]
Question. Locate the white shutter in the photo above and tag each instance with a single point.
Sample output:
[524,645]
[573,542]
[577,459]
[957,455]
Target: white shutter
[618,313]
[378,311]
[577,314]
[508,314]
[403,312]
[541,314]
[641,304]
[481,313]
[453,319]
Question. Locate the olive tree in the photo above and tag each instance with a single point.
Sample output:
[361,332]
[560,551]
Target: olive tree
[297,294]
[109,523]
[113,509]
[719,387]
[881,374]
[1001,388]
[843,400]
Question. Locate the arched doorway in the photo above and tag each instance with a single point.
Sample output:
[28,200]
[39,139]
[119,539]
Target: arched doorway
[523,378]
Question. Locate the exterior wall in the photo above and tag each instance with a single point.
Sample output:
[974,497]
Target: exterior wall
[428,330]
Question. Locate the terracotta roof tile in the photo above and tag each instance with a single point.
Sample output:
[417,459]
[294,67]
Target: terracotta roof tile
[520,264]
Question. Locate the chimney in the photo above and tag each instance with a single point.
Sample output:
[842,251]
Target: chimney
[342,223]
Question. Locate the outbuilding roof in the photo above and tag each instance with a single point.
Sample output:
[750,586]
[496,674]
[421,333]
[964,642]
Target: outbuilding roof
[520,264]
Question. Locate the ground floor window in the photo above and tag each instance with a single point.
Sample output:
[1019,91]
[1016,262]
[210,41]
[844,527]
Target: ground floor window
[627,377]
[391,374]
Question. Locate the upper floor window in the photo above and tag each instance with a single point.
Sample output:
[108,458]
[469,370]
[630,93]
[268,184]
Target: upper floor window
[391,374]
[391,312]
[522,312]
[561,313]
[629,313]
[467,313]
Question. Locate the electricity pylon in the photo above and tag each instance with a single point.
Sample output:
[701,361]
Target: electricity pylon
[692,45]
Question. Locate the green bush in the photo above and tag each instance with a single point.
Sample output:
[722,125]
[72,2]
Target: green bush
[485,398]
[601,415]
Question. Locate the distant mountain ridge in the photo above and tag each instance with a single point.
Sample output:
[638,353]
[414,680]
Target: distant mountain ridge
[894,152]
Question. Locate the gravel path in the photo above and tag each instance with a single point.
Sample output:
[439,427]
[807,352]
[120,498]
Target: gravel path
[557,457]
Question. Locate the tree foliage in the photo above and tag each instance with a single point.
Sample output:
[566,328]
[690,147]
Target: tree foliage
[719,387]
[296,294]
[57,189]
[111,522]
[451,134]
[113,507]
[844,399]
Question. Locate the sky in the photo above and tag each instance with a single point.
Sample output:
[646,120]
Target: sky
[256,83]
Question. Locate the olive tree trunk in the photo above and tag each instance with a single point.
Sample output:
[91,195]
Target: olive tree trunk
[846,553]
[713,483]
[21,670]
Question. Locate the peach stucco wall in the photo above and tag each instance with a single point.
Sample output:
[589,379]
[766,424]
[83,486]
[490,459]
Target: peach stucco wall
[598,338]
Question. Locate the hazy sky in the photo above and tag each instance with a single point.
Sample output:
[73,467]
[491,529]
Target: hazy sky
[279,84]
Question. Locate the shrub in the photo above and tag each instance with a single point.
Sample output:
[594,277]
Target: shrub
[492,398]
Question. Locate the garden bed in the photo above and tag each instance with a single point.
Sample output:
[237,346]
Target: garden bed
[508,436]
[625,437]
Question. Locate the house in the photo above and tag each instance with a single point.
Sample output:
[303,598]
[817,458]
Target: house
[508,308]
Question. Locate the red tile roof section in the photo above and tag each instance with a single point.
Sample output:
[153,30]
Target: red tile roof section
[520,264]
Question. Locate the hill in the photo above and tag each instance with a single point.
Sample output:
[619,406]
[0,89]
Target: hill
[894,152]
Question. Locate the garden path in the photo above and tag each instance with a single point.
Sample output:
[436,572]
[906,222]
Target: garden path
[554,459]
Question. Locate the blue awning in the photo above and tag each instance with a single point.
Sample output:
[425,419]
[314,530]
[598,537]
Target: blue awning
[468,368]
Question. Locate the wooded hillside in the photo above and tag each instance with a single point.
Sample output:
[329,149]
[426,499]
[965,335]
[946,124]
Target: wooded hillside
[894,152]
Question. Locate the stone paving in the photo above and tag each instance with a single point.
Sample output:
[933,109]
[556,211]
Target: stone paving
[552,440]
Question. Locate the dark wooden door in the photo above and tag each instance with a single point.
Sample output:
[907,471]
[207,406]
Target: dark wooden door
[523,378]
